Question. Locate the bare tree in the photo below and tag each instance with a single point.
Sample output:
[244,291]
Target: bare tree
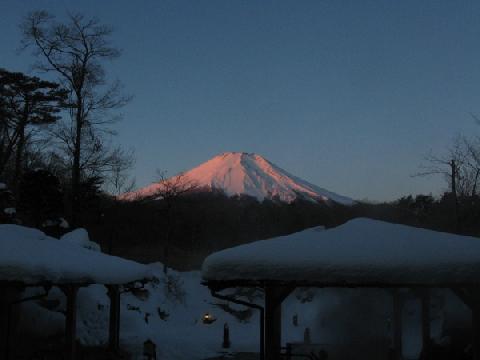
[75,51]
[453,166]
[118,179]
[472,165]
[170,190]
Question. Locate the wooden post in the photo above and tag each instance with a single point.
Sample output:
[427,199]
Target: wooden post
[476,331]
[262,334]
[114,321]
[471,297]
[397,325]
[226,336]
[149,350]
[474,293]
[274,297]
[71,321]
[425,297]
[8,318]
[289,351]
[273,333]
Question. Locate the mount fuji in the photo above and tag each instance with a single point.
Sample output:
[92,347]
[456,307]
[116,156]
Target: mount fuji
[240,173]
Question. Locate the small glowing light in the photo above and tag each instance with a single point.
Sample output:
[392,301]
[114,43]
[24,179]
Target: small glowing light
[208,318]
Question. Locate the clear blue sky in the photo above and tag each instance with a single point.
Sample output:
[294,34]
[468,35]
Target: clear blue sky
[350,95]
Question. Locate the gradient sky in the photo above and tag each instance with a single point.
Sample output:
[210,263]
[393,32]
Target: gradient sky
[349,95]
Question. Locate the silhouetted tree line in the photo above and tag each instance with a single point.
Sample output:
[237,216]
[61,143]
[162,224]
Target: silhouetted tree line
[457,210]
[428,212]
[203,222]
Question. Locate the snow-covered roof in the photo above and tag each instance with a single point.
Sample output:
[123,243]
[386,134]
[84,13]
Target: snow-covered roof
[29,256]
[361,252]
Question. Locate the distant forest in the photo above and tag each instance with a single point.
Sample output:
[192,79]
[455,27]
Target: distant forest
[197,224]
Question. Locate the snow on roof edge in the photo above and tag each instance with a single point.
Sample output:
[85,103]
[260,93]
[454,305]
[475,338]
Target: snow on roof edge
[361,251]
[29,256]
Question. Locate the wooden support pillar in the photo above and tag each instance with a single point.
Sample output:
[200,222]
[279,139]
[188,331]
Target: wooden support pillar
[71,322]
[274,297]
[471,297]
[272,323]
[397,325]
[262,334]
[9,297]
[114,321]
[425,299]
[476,331]
[474,295]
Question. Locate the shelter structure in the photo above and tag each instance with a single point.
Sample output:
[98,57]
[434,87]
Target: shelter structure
[361,253]
[29,258]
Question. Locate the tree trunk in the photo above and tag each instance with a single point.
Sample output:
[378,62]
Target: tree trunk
[8,151]
[19,162]
[75,191]
[453,166]
[474,188]
[166,248]
[20,148]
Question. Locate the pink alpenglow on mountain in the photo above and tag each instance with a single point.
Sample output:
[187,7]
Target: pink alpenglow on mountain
[239,173]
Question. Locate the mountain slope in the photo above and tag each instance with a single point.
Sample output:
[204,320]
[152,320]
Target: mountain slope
[237,173]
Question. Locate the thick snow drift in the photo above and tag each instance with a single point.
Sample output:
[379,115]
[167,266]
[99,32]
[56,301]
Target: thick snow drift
[237,173]
[28,255]
[362,251]
[80,238]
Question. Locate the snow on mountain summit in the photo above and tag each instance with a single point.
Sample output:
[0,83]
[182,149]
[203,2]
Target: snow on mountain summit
[237,173]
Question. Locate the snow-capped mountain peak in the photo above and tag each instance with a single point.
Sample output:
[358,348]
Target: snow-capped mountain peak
[237,173]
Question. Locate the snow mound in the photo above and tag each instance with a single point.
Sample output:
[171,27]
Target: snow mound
[361,251]
[10,211]
[30,256]
[11,231]
[80,238]
[239,173]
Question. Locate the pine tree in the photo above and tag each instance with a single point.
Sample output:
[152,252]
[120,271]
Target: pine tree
[26,101]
